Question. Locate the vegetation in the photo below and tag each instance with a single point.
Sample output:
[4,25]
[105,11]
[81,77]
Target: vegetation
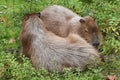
[14,66]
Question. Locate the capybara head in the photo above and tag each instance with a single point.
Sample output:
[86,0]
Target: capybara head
[26,41]
[90,31]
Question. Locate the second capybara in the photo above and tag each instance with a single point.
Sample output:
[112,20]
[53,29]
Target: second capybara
[49,51]
[62,21]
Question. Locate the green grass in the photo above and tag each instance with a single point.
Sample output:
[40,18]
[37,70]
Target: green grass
[14,66]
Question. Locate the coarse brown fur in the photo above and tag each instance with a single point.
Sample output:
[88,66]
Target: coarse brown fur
[54,53]
[62,21]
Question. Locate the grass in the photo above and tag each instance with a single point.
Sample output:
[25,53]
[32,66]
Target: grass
[14,66]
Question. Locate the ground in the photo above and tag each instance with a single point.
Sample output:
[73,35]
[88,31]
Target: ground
[14,66]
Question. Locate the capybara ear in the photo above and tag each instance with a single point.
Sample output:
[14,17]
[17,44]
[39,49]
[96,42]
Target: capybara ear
[39,14]
[26,17]
[82,21]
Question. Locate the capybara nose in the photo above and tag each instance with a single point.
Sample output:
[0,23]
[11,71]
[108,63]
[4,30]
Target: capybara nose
[96,43]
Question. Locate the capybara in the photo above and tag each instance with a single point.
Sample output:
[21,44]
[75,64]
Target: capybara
[62,21]
[49,51]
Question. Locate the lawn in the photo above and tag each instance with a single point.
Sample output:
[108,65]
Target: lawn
[15,66]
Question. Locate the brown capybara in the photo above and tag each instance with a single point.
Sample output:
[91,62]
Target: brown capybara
[62,21]
[49,51]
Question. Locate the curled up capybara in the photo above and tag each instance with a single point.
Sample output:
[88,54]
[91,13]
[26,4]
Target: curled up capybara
[62,21]
[49,51]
